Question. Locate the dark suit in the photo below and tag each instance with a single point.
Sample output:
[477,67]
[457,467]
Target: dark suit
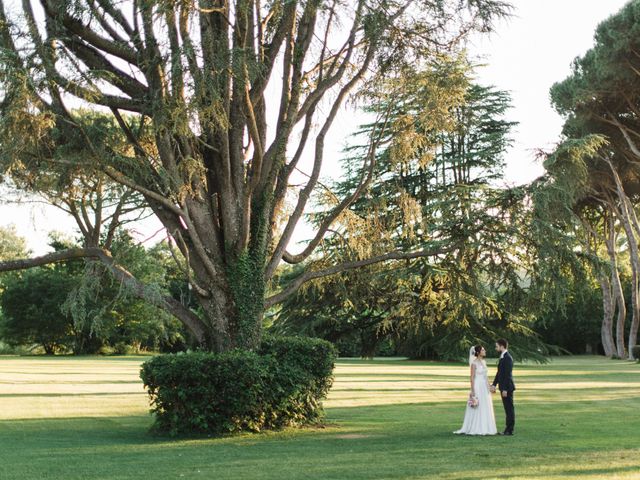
[504,381]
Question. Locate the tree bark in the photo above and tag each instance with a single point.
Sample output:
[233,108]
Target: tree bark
[635,269]
[612,291]
[606,331]
[633,331]
[625,218]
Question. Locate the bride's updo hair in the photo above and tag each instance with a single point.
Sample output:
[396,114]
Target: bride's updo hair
[477,349]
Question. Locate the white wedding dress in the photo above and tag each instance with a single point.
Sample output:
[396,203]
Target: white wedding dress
[480,420]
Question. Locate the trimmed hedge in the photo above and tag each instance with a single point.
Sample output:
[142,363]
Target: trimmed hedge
[280,385]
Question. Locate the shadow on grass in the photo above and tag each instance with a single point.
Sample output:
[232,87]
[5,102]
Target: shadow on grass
[54,395]
[383,442]
[75,373]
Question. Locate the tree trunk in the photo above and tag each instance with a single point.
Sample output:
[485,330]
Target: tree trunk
[614,291]
[369,341]
[234,310]
[633,337]
[607,322]
[626,218]
[633,331]
[635,269]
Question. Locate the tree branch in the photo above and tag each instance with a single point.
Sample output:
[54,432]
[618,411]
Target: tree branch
[306,192]
[634,148]
[166,302]
[123,51]
[311,275]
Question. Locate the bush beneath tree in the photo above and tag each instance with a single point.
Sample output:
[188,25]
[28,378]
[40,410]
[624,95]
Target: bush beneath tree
[281,385]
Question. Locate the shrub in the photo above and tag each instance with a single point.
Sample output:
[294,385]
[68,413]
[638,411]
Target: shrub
[6,349]
[121,348]
[305,366]
[636,352]
[281,385]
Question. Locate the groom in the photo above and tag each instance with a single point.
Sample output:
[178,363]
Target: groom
[504,381]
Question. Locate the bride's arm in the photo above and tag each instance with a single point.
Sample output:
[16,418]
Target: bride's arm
[473,376]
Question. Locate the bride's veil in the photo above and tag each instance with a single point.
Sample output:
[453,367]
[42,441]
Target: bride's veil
[472,355]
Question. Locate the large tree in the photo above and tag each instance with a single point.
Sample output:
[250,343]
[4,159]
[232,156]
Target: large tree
[232,93]
[69,307]
[576,239]
[445,190]
[62,169]
[600,101]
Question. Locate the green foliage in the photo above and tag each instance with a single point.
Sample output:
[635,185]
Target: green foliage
[571,176]
[601,78]
[578,199]
[187,120]
[78,306]
[575,326]
[6,349]
[599,103]
[346,309]
[240,390]
[62,163]
[12,245]
[246,280]
[31,310]
[311,354]
[434,186]
[561,198]
[205,392]
[101,304]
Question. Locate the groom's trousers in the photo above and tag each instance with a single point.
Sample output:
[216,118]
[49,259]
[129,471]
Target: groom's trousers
[509,409]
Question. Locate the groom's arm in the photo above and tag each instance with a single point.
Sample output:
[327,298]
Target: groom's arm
[497,378]
[508,369]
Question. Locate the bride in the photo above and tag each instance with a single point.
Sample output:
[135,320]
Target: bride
[479,418]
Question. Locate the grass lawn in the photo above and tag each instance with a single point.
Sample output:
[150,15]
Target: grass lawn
[86,418]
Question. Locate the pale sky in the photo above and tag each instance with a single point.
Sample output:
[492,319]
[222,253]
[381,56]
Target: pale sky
[525,56]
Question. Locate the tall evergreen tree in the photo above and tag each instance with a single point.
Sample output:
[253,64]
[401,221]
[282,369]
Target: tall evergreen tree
[597,161]
[438,185]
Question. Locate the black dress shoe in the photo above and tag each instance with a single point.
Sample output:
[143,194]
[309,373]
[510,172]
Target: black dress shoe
[510,434]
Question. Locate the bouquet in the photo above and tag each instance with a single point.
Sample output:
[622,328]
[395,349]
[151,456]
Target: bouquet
[473,401]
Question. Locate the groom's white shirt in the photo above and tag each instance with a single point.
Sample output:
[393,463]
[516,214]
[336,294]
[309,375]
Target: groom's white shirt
[502,354]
